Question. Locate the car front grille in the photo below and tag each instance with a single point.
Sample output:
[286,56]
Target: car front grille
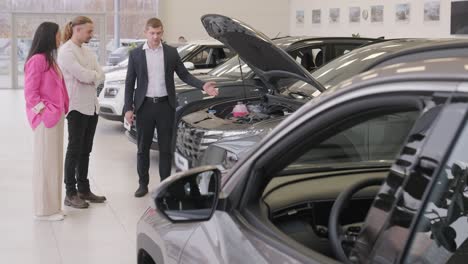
[189,142]
[99,89]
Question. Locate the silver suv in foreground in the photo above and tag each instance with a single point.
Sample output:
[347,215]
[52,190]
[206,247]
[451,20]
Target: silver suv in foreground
[306,194]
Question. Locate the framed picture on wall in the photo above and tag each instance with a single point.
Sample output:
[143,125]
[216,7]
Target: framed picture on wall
[316,16]
[458,20]
[354,14]
[377,14]
[334,16]
[402,12]
[432,10]
[300,17]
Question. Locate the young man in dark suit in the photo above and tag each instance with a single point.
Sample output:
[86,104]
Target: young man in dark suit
[152,66]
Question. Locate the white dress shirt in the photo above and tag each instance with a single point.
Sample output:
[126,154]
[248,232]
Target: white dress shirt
[156,74]
[82,75]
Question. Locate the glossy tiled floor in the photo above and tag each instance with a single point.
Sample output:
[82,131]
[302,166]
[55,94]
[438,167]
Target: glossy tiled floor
[104,233]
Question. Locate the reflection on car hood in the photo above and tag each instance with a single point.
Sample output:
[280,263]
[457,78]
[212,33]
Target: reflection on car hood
[120,75]
[268,124]
[204,77]
[267,60]
[240,147]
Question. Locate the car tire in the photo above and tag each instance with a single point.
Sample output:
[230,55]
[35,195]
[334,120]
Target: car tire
[145,258]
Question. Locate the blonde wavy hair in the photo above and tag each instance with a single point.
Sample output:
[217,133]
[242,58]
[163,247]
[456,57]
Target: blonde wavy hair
[68,29]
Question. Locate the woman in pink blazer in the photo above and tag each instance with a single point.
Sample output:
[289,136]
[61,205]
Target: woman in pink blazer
[46,105]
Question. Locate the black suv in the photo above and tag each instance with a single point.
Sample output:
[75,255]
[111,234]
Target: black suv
[235,79]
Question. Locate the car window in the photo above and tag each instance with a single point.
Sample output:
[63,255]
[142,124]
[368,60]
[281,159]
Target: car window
[217,56]
[352,63]
[441,232]
[228,53]
[186,49]
[201,57]
[374,140]
[124,63]
[121,51]
[341,49]
[309,57]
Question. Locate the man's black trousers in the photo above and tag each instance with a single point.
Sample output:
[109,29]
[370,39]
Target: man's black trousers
[154,113]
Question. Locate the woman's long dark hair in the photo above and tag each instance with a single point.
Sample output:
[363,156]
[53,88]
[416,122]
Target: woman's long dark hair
[44,42]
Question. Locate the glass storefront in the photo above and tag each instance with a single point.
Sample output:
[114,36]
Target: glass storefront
[20,18]
[5,50]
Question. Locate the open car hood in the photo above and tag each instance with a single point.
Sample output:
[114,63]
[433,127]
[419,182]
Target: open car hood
[268,61]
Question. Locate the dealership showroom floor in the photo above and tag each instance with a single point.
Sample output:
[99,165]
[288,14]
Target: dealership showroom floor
[301,131]
[103,233]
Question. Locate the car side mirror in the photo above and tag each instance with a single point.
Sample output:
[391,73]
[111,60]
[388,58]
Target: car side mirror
[189,65]
[190,196]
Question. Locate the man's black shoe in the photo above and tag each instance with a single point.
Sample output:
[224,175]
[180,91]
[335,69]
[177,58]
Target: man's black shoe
[141,191]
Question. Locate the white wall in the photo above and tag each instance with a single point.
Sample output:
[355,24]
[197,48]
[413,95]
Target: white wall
[182,17]
[416,27]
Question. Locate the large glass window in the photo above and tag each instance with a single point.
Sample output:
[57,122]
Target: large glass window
[84,5]
[38,5]
[5,51]
[137,5]
[59,5]
[5,5]
[28,14]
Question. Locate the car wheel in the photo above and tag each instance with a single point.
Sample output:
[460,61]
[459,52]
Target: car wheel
[145,258]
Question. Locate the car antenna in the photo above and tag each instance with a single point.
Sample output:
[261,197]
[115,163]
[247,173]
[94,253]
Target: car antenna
[242,76]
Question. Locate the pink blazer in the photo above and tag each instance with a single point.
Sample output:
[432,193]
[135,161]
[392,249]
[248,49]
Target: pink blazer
[43,84]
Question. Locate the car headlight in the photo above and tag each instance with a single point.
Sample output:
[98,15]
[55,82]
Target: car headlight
[116,82]
[229,160]
[111,92]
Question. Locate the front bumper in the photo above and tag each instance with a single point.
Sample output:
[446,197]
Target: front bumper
[108,112]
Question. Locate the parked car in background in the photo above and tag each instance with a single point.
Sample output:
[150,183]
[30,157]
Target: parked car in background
[285,202]
[199,129]
[124,42]
[198,57]
[235,79]
[117,58]
[118,55]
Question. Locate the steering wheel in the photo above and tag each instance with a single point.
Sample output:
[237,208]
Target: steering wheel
[336,234]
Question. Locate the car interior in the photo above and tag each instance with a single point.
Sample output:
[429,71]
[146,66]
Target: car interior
[209,57]
[300,198]
[310,58]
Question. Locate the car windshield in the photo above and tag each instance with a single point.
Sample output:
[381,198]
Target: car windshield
[370,143]
[124,63]
[231,69]
[186,49]
[120,51]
